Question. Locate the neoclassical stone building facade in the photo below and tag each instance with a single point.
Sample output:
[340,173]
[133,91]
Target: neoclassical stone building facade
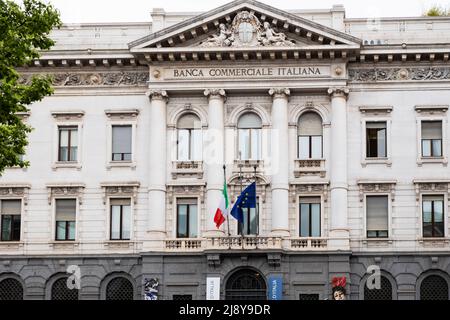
[343,123]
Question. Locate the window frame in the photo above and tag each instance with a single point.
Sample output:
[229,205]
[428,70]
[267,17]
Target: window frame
[22,210]
[77,221]
[176,222]
[112,142]
[444,213]
[368,144]
[310,157]
[190,144]
[109,128]
[322,214]
[109,219]
[258,216]
[443,159]
[69,129]
[389,197]
[56,149]
[251,145]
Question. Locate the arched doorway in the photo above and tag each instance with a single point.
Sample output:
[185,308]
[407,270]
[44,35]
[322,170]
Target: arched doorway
[119,288]
[246,284]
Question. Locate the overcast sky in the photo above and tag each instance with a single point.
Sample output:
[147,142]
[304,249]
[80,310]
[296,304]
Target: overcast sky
[73,11]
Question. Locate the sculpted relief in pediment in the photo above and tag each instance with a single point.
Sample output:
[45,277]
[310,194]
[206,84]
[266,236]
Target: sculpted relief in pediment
[247,30]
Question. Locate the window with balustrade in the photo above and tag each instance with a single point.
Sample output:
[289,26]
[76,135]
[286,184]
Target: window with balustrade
[187,218]
[249,137]
[189,138]
[310,136]
[310,217]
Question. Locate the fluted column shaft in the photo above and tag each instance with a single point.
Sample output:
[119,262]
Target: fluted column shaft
[280,162]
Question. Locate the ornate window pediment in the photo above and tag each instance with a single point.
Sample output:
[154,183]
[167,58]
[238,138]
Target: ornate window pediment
[65,190]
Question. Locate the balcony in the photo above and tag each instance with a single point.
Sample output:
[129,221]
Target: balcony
[309,167]
[312,244]
[245,243]
[187,169]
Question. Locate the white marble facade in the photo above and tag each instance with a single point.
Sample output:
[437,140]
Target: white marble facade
[245,57]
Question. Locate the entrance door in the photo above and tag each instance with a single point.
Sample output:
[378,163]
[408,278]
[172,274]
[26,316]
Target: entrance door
[246,284]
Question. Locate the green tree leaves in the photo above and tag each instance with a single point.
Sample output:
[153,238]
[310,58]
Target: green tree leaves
[24,33]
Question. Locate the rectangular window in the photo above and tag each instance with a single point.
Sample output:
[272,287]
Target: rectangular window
[68,144]
[310,147]
[10,219]
[377,212]
[250,144]
[433,216]
[120,219]
[431,139]
[187,221]
[121,143]
[251,221]
[65,219]
[376,140]
[310,216]
[189,144]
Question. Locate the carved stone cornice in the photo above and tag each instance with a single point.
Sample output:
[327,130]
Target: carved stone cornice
[65,190]
[15,190]
[399,74]
[376,187]
[154,94]
[277,93]
[215,94]
[431,186]
[127,190]
[309,188]
[186,190]
[94,79]
[341,92]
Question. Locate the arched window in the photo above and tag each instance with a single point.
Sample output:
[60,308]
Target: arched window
[310,136]
[246,284]
[384,293]
[249,137]
[189,140]
[119,288]
[434,287]
[60,290]
[11,289]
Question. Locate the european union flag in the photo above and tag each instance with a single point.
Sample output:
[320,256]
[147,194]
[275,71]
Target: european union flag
[247,199]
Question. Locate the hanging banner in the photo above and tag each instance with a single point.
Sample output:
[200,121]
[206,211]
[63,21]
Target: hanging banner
[212,288]
[275,287]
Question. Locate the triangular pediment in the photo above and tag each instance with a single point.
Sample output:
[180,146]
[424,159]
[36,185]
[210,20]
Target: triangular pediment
[245,24]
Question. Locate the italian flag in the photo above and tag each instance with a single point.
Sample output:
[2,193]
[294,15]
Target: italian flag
[222,211]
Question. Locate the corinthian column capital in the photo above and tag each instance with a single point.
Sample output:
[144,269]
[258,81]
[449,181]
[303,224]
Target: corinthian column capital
[157,95]
[339,92]
[215,94]
[280,92]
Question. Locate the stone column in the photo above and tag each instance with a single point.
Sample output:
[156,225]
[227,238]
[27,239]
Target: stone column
[213,157]
[280,162]
[157,164]
[339,230]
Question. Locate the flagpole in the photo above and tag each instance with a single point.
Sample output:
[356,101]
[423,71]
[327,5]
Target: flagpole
[256,202]
[228,213]
[240,225]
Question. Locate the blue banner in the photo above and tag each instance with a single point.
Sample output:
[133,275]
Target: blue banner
[275,287]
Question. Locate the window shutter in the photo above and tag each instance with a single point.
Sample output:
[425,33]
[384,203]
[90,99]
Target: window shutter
[187,201]
[310,124]
[66,209]
[249,121]
[189,121]
[376,125]
[377,213]
[121,137]
[10,207]
[310,200]
[120,202]
[432,130]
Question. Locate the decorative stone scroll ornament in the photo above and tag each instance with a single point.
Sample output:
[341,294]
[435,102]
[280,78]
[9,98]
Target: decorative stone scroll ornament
[247,30]
[376,187]
[399,74]
[157,95]
[100,79]
[431,186]
[194,190]
[305,189]
[339,92]
[215,94]
[280,92]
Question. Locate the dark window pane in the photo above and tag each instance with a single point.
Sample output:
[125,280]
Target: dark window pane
[383,293]
[11,289]
[6,227]
[182,221]
[119,288]
[60,290]
[434,287]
